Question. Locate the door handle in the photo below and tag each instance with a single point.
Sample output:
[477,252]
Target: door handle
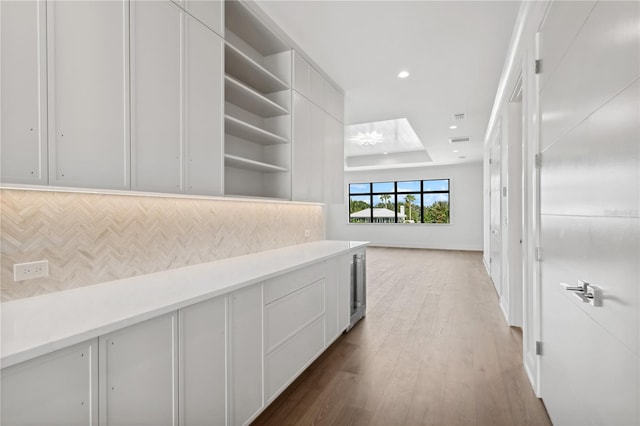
[586,292]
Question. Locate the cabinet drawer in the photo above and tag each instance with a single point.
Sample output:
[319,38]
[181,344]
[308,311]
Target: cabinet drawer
[277,287]
[290,359]
[286,316]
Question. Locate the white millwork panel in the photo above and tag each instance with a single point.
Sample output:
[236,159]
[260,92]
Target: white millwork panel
[138,374]
[202,363]
[24,99]
[590,213]
[245,354]
[157,31]
[209,12]
[495,221]
[345,269]
[88,93]
[333,160]
[203,107]
[57,389]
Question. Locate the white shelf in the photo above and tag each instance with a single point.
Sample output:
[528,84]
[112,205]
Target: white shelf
[251,29]
[247,98]
[245,69]
[247,164]
[244,130]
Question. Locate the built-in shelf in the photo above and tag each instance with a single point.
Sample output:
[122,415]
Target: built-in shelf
[247,164]
[249,99]
[244,130]
[245,69]
[241,21]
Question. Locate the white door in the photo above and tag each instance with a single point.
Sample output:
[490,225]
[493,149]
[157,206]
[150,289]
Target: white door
[590,214]
[88,93]
[23,107]
[495,197]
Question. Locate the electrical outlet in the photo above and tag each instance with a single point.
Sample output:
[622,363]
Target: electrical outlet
[30,270]
[307,233]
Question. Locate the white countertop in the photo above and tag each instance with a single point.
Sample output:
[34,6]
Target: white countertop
[38,325]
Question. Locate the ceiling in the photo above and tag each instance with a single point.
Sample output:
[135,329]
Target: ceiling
[453,50]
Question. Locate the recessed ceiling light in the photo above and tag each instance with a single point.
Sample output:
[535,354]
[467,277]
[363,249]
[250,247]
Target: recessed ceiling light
[455,150]
[453,127]
[403,74]
[385,153]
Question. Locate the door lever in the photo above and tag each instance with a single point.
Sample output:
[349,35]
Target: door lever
[586,292]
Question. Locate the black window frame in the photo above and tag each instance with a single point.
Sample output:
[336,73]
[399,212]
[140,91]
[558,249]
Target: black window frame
[395,194]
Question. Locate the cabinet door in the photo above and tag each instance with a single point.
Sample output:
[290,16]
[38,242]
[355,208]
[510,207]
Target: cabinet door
[331,301]
[202,363]
[316,87]
[203,113]
[88,93]
[301,148]
[333,102]
[316,152]
[157,121]
[57,389]
[137,374]
[208,12]
[23,141]
[301,71]
[333,161]
[245,354]
[345,268]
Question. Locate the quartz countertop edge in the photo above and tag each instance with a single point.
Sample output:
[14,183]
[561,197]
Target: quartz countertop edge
[39,325]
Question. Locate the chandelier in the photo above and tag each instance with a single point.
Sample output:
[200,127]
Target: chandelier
[367,139]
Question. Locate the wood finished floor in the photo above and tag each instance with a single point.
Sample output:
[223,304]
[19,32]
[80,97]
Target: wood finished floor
[434,349]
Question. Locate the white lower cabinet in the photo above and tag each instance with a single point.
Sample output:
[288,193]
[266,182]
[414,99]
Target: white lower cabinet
[138,374]
[202,334]
[216,362]
[57,389]
[245,354]
[288,360]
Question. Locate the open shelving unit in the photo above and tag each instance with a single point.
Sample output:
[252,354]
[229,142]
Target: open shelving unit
[257,107]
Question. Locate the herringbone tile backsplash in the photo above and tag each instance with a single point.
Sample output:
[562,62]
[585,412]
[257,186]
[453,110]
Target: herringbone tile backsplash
[93,238]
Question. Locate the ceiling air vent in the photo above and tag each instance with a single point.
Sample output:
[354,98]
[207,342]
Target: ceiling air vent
[460,139]
[458,117]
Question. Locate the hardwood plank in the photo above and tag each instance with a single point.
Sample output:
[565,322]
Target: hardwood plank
[434,349]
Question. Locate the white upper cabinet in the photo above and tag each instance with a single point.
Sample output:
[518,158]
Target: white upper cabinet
[333,102]
[204,109]
[209,12]
[176,101]
[308,150]
[333,161]
[88,96]
[156,95]
[307,80]
[23,81]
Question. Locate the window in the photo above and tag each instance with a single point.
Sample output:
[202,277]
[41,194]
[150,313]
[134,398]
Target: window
[414,201]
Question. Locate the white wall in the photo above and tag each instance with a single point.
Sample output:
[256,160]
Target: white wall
[463,233]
